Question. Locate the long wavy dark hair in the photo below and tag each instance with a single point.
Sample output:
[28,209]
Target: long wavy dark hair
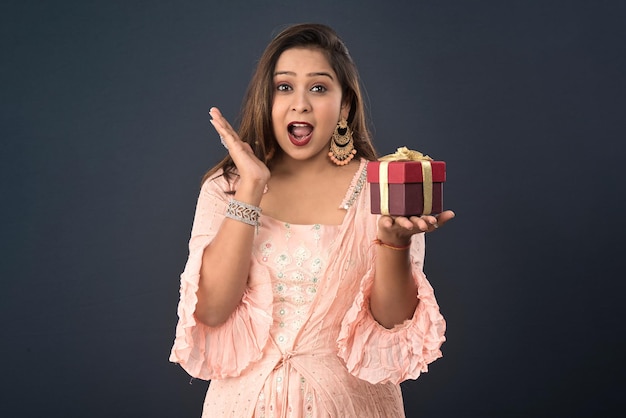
[256,111]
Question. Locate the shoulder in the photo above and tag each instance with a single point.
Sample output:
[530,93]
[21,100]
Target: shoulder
[355,170]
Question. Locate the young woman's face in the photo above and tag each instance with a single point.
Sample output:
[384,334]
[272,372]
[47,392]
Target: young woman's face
[307,103]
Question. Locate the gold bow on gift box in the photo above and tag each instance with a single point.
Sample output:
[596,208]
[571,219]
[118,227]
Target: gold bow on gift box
[405,154]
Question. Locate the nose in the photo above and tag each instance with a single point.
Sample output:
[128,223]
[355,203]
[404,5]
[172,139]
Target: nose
[301,103]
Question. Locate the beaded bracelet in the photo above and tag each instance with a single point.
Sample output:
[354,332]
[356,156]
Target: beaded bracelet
[244,212]
[393,247]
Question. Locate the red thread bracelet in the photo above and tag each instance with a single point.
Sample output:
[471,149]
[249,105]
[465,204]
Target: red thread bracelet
[393,247]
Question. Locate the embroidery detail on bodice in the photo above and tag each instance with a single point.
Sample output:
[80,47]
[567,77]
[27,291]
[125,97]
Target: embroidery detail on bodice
[297,275]
[296,256]
[355,187]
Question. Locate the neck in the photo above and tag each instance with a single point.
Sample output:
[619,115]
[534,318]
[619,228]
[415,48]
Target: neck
[302,168]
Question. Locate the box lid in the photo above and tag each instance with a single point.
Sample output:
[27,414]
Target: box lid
[406,171]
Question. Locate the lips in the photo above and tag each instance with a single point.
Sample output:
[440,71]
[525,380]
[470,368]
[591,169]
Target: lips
[300,133]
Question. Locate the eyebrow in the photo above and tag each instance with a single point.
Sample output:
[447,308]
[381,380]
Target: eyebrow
[314,74]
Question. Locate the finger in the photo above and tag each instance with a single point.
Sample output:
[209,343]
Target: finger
[217,116]
[220,123]
[405,222]
[429,219]
[221,133]
[386,221]
[423,223]
[228,136]
[445,217]
[434,222]
[418,224]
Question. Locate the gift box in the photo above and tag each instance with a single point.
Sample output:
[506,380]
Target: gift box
[406,183]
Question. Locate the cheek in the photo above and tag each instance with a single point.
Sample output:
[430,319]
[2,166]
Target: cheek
[332,116]
[278,109]
[328,127]
[275,116]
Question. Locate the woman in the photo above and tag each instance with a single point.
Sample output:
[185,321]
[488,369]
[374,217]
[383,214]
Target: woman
[296,300]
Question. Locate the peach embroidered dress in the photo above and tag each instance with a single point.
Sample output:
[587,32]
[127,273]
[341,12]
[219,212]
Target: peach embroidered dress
[302,342]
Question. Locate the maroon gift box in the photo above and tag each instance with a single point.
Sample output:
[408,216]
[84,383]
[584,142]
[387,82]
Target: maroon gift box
[405,183]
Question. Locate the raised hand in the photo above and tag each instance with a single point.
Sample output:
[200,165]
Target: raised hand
[253,173]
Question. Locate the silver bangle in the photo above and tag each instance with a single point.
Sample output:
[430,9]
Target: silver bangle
[243,212]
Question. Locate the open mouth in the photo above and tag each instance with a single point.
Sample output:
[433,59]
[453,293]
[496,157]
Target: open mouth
[300,133]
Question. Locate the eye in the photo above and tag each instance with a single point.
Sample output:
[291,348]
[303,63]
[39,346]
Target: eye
[318,89]
[283,87]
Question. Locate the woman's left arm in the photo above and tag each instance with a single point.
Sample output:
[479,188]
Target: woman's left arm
[394,292]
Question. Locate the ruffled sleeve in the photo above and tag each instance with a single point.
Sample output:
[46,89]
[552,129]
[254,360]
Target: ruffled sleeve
[206,352]
[379,355]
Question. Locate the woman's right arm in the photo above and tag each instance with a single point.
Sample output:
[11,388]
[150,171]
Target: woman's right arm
[225,266]
[226,261]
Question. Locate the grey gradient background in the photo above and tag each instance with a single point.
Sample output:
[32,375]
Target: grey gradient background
[105,137]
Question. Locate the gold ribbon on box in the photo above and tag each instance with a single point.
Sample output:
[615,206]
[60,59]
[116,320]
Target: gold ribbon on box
[405,154]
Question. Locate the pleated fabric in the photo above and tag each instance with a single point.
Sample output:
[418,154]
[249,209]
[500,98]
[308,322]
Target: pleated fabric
[302,342]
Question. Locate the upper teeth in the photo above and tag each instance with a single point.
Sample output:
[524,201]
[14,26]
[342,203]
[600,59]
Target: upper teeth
[300,125]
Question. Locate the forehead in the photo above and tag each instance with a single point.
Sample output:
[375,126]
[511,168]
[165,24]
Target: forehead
[303,60]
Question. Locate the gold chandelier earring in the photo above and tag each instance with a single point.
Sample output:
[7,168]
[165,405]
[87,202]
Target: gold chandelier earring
[341,144]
